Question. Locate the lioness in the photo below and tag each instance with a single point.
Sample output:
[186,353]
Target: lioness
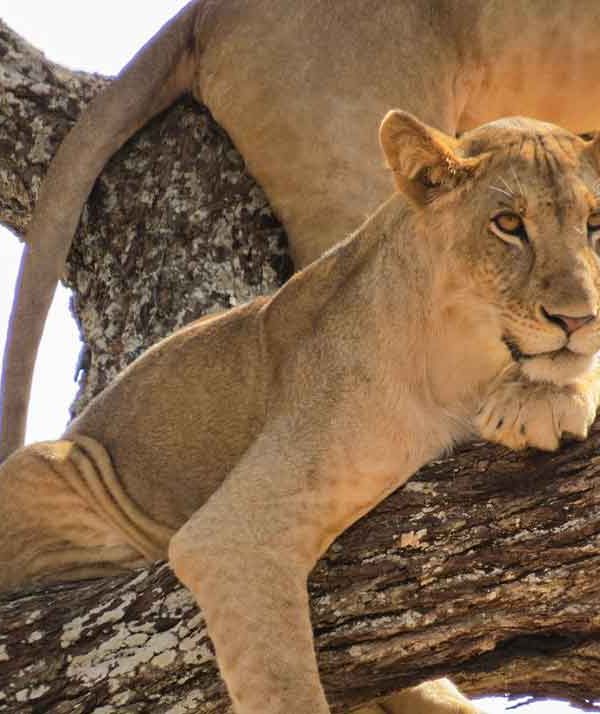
[300,86]
[242,445]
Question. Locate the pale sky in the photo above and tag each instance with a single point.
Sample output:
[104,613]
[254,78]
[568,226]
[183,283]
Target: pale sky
[84,35]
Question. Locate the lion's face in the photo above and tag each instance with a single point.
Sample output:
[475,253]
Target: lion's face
[534,252]
[515,206]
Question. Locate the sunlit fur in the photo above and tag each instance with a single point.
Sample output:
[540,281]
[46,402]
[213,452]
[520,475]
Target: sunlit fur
[550,178]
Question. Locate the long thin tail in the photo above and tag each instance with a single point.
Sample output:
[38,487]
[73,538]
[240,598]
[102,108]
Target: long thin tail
[153,79]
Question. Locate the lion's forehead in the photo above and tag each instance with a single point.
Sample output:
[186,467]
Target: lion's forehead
[545,179]
[548,159]
[522,137]
[542,182]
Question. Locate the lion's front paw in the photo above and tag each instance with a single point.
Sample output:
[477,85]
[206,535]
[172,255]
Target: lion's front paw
[521,414]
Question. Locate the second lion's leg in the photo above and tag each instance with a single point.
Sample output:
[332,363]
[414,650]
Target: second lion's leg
[437,696]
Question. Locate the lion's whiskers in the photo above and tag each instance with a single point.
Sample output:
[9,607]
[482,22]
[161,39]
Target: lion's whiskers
[519,185]
[508,187]
[501,190]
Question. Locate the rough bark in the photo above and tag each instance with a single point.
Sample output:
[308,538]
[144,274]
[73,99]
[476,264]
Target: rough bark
[174,227]
[484,567]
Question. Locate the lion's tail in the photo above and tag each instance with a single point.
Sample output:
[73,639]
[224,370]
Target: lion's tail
[154,78]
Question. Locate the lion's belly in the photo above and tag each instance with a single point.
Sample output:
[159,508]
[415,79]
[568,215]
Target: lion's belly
[559,89]
[177,421]
[302,94]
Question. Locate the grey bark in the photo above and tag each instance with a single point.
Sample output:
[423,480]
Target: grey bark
[484,567]
[174,228]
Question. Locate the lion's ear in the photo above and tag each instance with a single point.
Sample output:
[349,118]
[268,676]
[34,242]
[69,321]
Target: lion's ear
[423,159]
[592,147]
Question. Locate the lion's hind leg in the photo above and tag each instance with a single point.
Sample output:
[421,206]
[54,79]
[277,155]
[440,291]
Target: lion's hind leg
[437,696]
[59,519]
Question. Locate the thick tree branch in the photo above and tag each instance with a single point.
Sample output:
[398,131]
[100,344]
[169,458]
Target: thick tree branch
[484,567]
[39,101]
[175,228]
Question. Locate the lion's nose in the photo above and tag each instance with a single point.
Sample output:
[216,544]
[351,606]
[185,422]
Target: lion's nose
[567,322]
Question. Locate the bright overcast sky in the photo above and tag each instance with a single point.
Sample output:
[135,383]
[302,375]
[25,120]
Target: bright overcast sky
[85,35]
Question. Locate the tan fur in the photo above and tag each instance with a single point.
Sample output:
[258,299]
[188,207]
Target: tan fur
[439,696]
[241,446]
[300,87]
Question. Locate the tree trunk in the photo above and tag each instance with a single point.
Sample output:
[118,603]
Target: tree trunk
[174,227]
[484,567]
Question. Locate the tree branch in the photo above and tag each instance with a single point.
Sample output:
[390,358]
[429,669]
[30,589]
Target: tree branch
[484,567]
[174,228]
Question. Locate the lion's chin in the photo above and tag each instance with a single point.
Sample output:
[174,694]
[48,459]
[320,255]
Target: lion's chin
[561,367]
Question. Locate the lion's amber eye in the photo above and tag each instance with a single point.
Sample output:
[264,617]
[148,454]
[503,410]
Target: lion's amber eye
[509,223]
[593,223]
[510,228]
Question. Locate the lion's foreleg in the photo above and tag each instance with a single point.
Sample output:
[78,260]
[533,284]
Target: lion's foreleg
[246,555]
[256,608]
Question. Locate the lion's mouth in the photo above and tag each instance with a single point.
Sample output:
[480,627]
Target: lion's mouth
[519,356]
[559,367]
[513,348]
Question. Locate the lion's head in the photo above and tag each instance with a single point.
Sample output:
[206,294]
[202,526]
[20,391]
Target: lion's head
[514,206]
